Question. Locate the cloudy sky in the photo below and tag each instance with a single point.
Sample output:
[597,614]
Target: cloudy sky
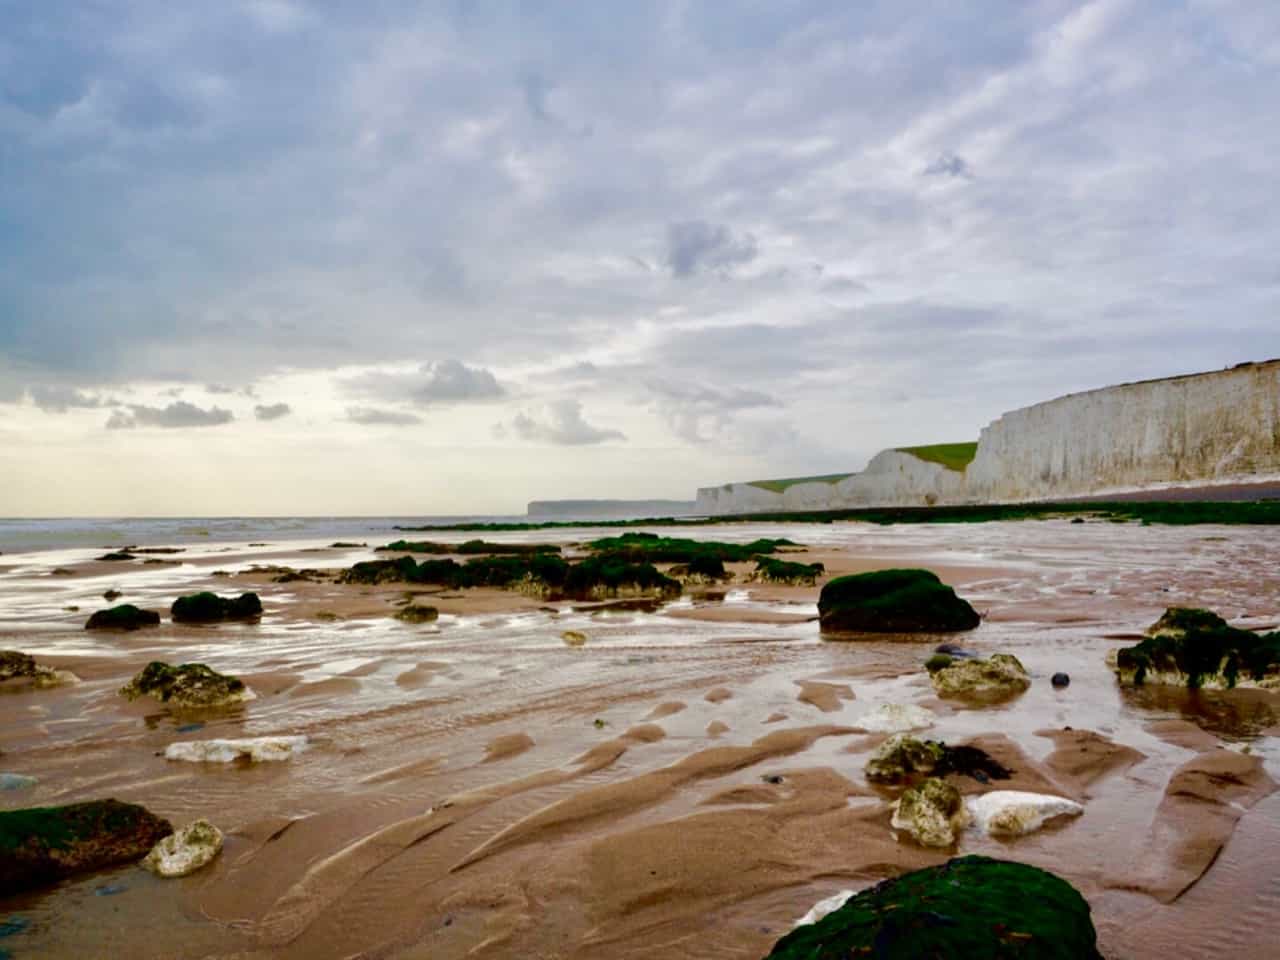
[293,256]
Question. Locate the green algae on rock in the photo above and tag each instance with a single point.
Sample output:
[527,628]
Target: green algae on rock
[966,908]
[468,548]
[39,845]
[931,812]
[189,685]
[20,669]
[893,601]
[998,677]
[901,758]
[702,569]
[417,613]
[651,548]
[772,570]
[208,607]
[1194,648]
[123,617]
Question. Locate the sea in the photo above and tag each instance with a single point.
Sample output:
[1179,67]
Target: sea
[23,535]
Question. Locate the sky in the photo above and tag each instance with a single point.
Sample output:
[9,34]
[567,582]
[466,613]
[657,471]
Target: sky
[276,257]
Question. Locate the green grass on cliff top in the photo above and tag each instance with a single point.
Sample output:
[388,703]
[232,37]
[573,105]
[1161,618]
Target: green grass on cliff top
[953,456]
[777,486]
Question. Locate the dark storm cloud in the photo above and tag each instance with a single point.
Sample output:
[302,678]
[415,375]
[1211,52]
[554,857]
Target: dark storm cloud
[176,415]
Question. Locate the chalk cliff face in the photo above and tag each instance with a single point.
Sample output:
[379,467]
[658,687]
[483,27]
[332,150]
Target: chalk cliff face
[1205,428]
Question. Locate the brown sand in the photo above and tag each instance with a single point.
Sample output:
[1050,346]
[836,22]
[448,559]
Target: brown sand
[421,822]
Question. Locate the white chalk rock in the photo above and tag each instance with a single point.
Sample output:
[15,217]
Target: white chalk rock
[226,751]
[896,718]
[1012,813]
[186,851]
[823,907]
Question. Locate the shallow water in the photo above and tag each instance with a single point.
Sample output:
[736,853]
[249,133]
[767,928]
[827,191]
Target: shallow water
[337,853]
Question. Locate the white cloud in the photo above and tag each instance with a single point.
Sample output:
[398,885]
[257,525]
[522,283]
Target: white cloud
[562,425]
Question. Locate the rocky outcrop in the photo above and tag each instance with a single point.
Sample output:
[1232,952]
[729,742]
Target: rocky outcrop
[210,608]
[772,570]
[186,851]
[967,907]
[40,845]
[893,601]
[123,617]
[1195,648]
[998,677]
[186,686]
[18,669]
[931,813]
[417,613]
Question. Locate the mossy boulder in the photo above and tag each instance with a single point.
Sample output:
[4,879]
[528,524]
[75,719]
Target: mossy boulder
[893,601]
[1195,648]
[903,759]
[998,677]
[600,578]
[931,812]
[701,569]
[417,613]
[40,845]
[123,617]
[188,685]
[772,570]
[966,908]
[208,607]
[21,670]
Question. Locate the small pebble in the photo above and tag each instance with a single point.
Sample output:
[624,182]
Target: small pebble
[1060,680]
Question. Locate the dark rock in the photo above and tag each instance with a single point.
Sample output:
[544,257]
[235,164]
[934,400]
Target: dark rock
[117,555]
[954,650]
[112,595]
[40,845]
[903,758]
[1060,680]
[124,617]
[210,608]
[345,545]
[787,571]
[191,685]
[417,613]
[1197,648]
[893,601]
[968,907]
[21,669]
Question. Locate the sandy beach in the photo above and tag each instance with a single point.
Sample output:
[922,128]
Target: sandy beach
[689,780]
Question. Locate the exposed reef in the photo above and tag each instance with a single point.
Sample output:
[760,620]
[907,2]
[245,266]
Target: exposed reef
[123,617]
[468,548]
[18,669]
[893,601]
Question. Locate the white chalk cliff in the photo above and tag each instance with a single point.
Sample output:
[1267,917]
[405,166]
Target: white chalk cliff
[1206,428]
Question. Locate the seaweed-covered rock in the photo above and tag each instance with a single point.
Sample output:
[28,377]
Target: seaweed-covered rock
[185,851]
[902,758]
[123,617]
[1195,648]
[417,613]
[651,548]
[1013,813]
[39,845]
[702,569]
[208,607]
[772,570]
[599,578]
[188,685]
[20,669]
[966,908]
[117,555]
[997,677]
[932,813]
[893,601]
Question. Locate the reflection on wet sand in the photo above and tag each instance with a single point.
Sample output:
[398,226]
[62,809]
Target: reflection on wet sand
[475,786]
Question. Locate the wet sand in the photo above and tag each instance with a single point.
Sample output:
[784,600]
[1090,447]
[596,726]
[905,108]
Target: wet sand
[688,781]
